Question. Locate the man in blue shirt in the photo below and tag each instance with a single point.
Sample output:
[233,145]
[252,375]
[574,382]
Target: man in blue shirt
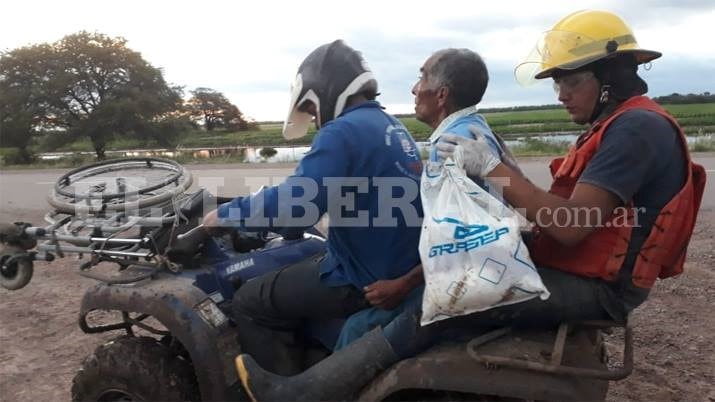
[363,170]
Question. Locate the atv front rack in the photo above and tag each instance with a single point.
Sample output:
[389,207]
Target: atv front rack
[127,324]
[555,366]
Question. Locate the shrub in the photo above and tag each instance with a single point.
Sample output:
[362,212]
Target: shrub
[267,152]
[13,156]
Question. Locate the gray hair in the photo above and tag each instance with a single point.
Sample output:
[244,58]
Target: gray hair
[463,72]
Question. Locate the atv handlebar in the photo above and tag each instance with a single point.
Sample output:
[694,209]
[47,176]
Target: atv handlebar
[187,244]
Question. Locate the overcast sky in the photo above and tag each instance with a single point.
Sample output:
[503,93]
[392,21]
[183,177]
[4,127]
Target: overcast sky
[250,50]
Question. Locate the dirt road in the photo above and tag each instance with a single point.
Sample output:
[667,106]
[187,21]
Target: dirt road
[41,346]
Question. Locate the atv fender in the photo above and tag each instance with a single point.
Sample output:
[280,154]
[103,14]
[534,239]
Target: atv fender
[174,301]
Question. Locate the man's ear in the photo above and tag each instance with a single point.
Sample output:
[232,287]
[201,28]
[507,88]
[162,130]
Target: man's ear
[443,96]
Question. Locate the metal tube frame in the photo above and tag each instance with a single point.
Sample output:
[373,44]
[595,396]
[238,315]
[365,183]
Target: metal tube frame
[555,365]
[96,245]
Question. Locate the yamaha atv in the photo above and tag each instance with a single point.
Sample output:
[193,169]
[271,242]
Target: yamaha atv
[166,288]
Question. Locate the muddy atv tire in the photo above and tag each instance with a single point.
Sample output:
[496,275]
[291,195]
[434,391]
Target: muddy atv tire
[134,369]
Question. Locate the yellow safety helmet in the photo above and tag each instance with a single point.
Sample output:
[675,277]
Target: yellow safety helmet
[577,40]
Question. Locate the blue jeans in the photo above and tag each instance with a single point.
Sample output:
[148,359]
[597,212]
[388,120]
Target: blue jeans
[364,321]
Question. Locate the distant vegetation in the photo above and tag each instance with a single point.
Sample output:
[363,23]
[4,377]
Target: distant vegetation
[676,98]
[91,89]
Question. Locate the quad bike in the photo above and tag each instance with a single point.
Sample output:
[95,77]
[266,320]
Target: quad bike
[169,287]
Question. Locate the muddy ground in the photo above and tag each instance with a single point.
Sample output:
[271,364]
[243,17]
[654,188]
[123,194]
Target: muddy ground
[41,346]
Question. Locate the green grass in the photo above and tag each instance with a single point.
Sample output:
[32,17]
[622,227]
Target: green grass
[693,109]
[539,147]
[527,117]
[697,121]
[419,130]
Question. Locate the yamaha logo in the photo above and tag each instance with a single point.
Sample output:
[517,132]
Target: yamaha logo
[232,269]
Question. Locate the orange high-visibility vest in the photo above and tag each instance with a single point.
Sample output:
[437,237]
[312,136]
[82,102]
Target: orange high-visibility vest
[602,252]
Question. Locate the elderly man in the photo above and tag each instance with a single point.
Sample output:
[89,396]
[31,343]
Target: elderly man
[605,268]
[451,84]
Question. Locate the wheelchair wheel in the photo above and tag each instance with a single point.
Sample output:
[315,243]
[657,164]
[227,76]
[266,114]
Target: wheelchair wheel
[119,185]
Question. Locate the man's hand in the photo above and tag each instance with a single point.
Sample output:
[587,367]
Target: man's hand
[212,224]
[476,155]
[387,294]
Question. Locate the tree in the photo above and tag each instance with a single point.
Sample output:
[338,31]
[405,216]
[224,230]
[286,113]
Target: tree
[23,102]
[103,88]
[267,152]
[215,110]
[88,84]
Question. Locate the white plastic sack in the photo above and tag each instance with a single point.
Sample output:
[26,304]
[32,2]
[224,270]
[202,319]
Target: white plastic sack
[471,248]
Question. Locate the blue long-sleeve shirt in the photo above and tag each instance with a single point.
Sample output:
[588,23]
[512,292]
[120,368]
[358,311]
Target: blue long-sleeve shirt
[360,166]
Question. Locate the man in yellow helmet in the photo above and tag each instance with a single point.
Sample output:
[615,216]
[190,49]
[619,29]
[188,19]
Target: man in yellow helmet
[619,213]
[629,177]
